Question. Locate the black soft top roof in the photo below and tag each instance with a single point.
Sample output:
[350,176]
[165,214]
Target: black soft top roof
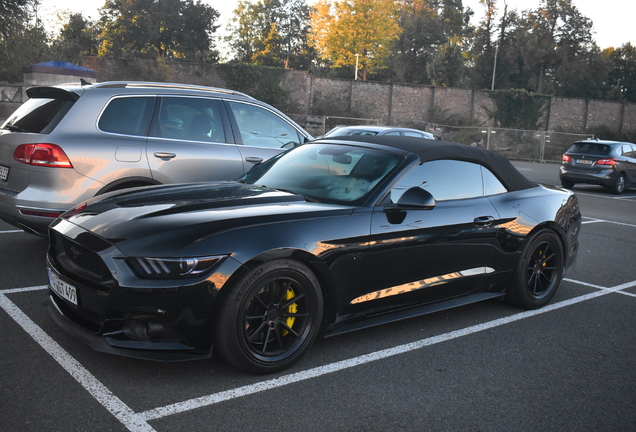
[429,150]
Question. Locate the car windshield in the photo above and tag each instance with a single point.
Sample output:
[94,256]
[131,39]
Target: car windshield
[326,172]
[590,149]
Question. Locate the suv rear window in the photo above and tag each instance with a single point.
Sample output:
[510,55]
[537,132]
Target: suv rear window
[590,149]
[39,115]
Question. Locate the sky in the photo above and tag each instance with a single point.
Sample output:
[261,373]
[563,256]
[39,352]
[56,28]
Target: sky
[613,19]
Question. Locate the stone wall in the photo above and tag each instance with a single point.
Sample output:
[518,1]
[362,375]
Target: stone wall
[389,103]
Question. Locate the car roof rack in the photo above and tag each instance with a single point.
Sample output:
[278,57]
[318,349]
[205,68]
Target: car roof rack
[144,84]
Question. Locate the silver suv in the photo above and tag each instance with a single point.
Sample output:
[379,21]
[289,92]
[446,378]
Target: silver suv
[68,143]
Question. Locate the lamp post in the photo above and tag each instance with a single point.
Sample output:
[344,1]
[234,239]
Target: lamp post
[356,77]
[494,67]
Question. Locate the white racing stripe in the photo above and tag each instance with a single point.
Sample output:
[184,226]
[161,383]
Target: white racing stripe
[137,422]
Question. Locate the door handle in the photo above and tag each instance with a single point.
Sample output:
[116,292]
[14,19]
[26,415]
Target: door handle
[484,220]
[163,155]
[253,160]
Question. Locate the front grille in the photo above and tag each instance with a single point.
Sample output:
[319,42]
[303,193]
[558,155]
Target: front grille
[82,257]
[80,262]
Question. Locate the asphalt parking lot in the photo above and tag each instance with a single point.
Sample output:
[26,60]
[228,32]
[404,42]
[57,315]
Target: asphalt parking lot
[483,367]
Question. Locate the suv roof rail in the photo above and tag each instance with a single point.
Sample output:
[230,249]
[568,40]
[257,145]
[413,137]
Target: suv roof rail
[144,84]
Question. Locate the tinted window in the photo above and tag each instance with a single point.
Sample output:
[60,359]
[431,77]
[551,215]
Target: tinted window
[39,115]
[127,116]
[262,128]
[492,185]
[444,179]
[591,149]
[343,174]
[412,134]
[627,150]
[189,118]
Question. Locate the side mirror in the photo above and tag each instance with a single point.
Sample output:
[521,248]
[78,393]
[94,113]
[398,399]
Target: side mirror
[414,198]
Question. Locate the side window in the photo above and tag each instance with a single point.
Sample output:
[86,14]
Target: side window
[444,179]
[127,116]
[412,134]
[393,133]
[492,185]
[189,118]
[628,151]
[262,128]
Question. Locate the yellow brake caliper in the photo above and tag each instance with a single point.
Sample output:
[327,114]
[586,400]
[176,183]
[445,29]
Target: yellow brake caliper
[292,309]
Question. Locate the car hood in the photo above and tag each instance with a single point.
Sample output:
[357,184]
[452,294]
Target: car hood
[162,220]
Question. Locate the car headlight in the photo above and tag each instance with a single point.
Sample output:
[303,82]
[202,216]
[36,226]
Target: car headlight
[171,268]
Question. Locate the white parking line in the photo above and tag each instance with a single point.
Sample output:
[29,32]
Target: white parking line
[11,231]
[593,220]
[112,403]
[137,422]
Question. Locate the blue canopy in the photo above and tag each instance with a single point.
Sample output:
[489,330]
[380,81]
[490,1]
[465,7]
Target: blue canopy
[61,68]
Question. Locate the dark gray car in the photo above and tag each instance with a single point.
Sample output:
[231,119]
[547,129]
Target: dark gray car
[611,164]
[72,142]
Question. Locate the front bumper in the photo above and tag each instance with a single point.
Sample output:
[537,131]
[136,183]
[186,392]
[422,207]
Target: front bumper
[160,320]
[146,350]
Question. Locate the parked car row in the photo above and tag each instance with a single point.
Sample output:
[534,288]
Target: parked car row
[158,252]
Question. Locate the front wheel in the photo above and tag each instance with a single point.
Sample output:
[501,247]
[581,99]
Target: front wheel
[538,272]
[270,317]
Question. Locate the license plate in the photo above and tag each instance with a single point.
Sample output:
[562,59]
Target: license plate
[4,172]
[584,162]
[62,289]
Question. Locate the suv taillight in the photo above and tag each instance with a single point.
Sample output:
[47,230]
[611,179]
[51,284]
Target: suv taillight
[49,155]
[566,158]
[606,162]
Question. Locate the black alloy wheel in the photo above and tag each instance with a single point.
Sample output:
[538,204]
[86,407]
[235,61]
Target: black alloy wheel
[270,318]
[538,273]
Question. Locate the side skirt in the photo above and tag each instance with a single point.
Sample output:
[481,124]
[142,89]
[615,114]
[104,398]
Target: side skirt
[412,312]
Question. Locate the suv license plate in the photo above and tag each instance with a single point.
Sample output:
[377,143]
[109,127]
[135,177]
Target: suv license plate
[4,172]
[584,162]
[61,288]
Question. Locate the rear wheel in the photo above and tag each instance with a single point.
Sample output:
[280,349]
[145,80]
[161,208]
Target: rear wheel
[619,185]
[270,317]
[567,184]
[538,272]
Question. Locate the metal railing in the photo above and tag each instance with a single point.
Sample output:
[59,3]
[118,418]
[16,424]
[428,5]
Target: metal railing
[537,146]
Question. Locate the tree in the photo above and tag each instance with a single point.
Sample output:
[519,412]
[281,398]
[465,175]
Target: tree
[622,75]
[422,33]
[14,14]
[271,33]
[355,32]
[558,31]
[447,68]
[23,40]
[158,28]
[77,37]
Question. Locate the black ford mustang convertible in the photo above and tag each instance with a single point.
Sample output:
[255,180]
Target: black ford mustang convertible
[332,236]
